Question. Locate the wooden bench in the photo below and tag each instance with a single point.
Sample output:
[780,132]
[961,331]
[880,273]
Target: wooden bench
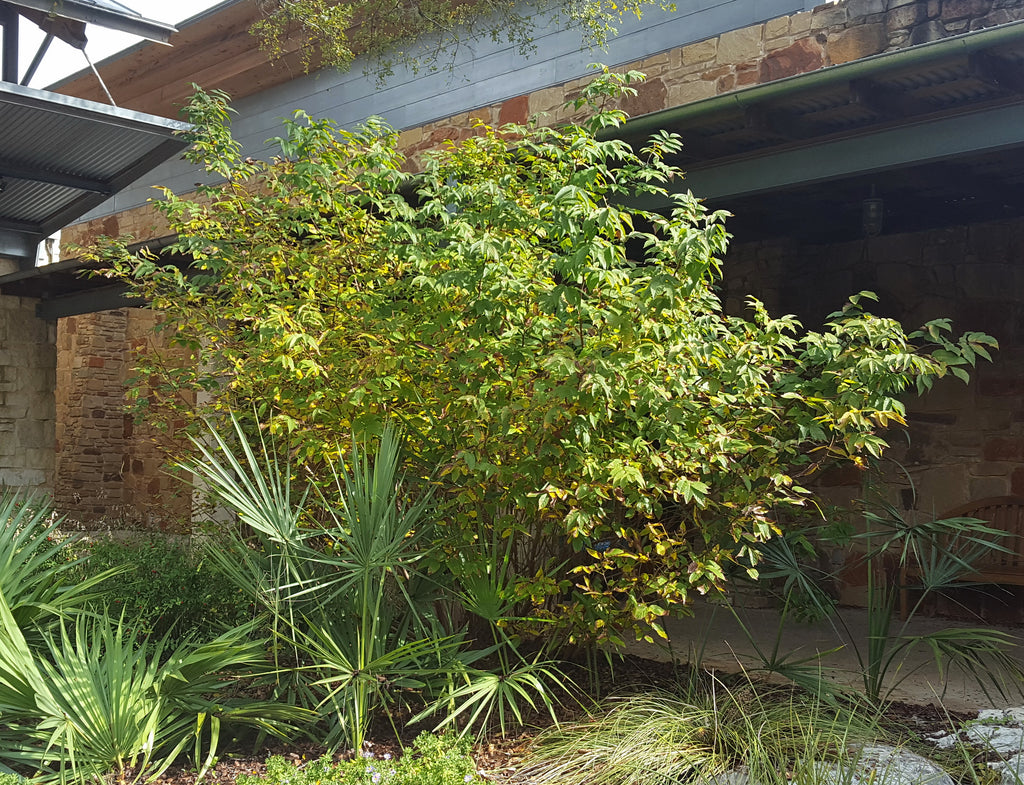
[1005,513]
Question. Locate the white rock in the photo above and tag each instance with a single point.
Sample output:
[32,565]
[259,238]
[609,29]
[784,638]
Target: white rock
[1003,739]
[883,764]
[1012,772]
[1013,715]
[942,740]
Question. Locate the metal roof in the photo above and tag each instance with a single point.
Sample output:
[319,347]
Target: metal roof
[105,13]
[63,156]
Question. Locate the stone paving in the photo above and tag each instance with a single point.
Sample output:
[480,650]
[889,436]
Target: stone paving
[725,642]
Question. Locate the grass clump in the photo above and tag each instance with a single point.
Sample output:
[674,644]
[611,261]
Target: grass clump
[431,760]
[701,733]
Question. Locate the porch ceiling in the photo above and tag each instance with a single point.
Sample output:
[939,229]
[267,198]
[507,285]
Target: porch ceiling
[936,130]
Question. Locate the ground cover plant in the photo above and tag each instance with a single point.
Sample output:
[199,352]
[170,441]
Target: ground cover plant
[163,588]
[558,358]
[81,696]
[429,760]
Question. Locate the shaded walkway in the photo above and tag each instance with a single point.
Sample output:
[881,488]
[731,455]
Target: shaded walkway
[716,632]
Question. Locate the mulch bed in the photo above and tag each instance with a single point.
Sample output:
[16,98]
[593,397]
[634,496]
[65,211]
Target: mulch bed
[499,759]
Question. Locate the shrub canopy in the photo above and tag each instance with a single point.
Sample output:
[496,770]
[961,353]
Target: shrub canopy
[558,358]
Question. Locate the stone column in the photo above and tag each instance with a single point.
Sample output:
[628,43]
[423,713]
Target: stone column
[28,361]
[90,419]
[111,471]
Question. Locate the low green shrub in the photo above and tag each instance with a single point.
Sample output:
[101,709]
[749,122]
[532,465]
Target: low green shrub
[432,760]
[165,589]
[97,700]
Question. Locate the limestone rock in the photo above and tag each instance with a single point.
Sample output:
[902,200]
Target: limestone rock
[856,43]
[1002,739]
[882,763]
[1012,772]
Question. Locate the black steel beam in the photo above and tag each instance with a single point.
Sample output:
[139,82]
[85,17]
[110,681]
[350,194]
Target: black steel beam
[9,64]
[65,179]
[944,138]
[100,299]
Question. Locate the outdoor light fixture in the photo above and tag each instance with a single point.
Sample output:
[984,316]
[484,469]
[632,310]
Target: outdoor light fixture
[872,215]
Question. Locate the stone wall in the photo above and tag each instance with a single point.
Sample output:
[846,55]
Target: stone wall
[963,442]
[109,469]
[27,363]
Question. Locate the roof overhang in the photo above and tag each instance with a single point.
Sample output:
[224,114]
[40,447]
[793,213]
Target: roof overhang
[63,156]
[104,13]
[939,127]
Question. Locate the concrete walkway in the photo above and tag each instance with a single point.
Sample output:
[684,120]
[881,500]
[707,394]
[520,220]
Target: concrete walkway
[718,636]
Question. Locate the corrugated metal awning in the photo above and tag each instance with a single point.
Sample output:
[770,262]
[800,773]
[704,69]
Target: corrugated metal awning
[63,156]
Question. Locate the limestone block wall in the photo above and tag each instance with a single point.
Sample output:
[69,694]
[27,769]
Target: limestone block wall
[963,442]
[27,370]
[109,470]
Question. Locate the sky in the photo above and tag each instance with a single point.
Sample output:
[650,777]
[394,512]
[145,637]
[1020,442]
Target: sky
[62,60]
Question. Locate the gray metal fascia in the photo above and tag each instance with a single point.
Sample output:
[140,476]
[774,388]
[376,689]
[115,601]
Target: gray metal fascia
[909,145]
[858,69]
[112,20]
[79,107]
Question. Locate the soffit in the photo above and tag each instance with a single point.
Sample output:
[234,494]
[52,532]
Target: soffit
[937,130]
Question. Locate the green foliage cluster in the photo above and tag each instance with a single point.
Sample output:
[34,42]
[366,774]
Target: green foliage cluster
[346,629]
[81,697]
[430,760]
[164,589]
[363,631]
[351,629]
[558,357]
[423,34]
